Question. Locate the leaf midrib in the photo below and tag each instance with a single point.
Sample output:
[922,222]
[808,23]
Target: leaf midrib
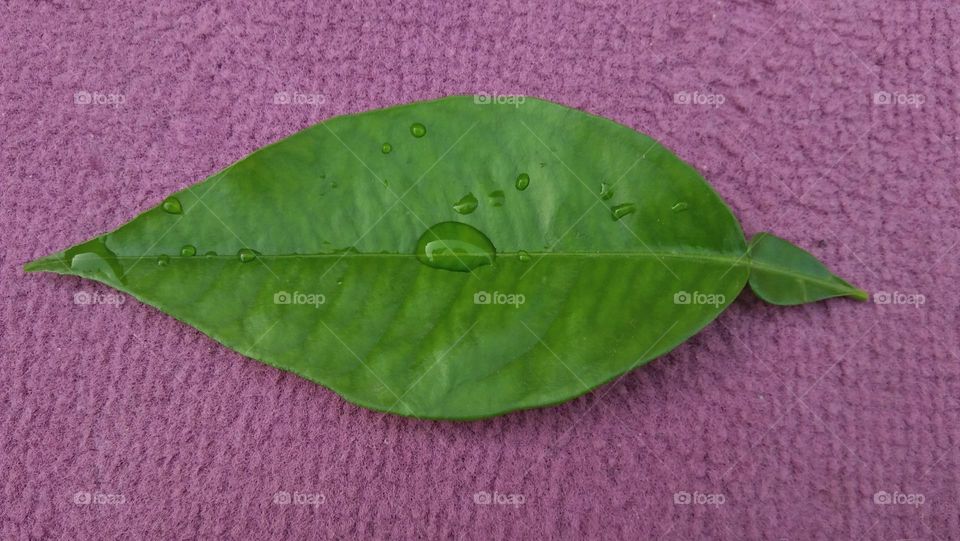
[694,256]
[732,261]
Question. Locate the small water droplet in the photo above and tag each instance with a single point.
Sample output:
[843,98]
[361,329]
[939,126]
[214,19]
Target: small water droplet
[455,246]
[211,253]
[496,198]
[680,206]
[163,260]
[386,148]
[466,204]
[172,205]
[620,211]
[188,250]
[606,191]
[523,180]
[418,129]
[246,255]
[523,255]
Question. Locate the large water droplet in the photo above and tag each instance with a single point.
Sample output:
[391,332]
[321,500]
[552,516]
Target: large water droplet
[94,258]
[496,198]
[620,211]
[163,260]
[386,148]
[246,255]
[466,204]
[455,246]
[418,129]
[680,206]
[188,250]
[606,191]
[523,180]
[172,205]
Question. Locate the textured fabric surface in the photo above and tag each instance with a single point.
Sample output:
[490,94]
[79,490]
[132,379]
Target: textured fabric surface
[831,123]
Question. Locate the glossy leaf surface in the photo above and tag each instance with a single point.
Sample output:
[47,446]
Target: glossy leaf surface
[444,259]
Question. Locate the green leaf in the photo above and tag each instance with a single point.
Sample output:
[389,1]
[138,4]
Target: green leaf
[782,273]
[444,259]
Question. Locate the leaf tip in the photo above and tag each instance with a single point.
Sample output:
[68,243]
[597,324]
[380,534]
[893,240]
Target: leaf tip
[48,263]
[783,273]
[860,294]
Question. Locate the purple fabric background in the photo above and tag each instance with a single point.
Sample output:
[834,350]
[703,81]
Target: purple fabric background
[797,417]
